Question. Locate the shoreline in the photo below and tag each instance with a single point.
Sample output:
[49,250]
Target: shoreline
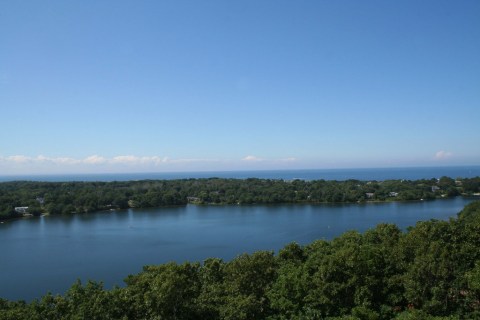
[22,198]
[31,216]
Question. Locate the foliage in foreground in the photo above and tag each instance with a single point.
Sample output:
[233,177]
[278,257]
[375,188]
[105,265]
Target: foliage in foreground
[432,271]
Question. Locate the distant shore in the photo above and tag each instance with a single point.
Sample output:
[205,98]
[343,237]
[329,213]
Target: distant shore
[18,198]
[379,174]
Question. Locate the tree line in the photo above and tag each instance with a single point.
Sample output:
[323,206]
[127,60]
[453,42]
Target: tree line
[431,271]
[84,197]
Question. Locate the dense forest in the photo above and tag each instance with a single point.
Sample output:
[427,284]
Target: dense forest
[431,271]
[83,197]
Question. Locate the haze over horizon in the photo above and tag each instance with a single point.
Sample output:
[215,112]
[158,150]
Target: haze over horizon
[123,86]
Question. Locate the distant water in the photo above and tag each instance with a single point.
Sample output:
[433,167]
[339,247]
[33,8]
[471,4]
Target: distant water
[379,174]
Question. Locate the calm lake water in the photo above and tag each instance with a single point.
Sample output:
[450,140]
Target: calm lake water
[50,253]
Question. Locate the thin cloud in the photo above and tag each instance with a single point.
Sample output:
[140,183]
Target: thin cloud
[100,160]
[65,160]
[190,160]
[58,160]
[95,159]
[252,159]
[441,155]
[126,159]
[121,163]
[135,160]
[18,159]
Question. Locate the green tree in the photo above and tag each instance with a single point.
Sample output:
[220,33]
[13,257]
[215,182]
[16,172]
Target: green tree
[247,279]
[166,291]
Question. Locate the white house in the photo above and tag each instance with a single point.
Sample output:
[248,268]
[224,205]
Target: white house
[22,210]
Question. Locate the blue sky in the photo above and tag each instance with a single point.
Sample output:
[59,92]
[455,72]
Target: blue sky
[131,86]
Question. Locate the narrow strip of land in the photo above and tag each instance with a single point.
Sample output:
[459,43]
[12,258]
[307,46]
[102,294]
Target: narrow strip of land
[19,198]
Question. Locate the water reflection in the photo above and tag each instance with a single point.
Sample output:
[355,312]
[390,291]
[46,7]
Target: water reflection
[108,246]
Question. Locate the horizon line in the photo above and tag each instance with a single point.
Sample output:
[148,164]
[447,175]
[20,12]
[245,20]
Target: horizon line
[239,170]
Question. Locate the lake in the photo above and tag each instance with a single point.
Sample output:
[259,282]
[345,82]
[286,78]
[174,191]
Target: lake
[49,253]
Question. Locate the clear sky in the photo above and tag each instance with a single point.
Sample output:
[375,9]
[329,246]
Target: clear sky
[131,86]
